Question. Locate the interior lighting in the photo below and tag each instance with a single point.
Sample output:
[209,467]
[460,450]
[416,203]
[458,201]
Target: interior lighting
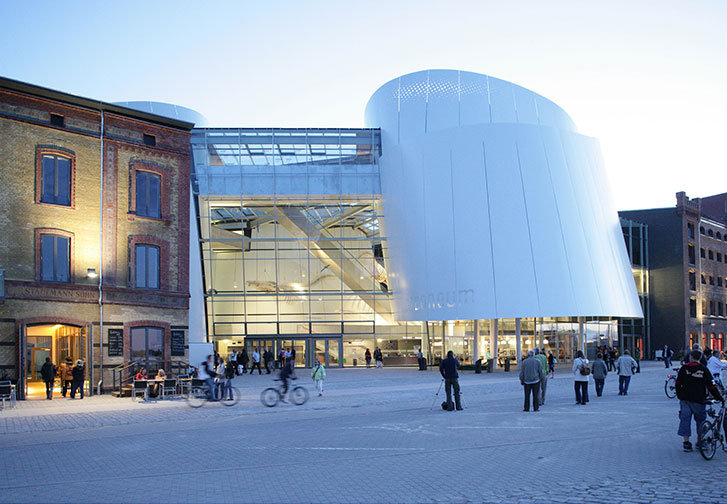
[56,327]
[91,273]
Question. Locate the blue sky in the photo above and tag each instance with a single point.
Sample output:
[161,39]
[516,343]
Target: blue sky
[647,78]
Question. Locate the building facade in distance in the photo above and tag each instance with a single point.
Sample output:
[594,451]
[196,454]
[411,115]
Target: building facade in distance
[94,246]
[687,256]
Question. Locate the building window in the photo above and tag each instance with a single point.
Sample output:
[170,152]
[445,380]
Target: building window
[148,194]
[702,253]
[146,271]
[710,255]
[57,120]
[719,235]
[691,254]
[710,233]
[690,230]
[719,257]
[704,279]
[692,280]
[701,229]
[692,307]
[55,258]
[711,279]
[720,308]
[704,306]
[147,344]
[56,179]
[711,308]
[150,140]
[719,281]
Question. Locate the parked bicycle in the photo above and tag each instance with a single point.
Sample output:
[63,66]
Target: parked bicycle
[199,393]
[712,432]
[271,396]
[670,386]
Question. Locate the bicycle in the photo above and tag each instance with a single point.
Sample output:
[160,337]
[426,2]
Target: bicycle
[710,433]
[670,385]
[199,393]
[271,396]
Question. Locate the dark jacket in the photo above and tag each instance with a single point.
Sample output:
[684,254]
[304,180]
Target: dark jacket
[286,371]
[448,368]
[78,373]
[230,371]
[599,369]
[693,381]
[48,371]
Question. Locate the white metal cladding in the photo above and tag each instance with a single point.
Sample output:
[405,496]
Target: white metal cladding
[496,207]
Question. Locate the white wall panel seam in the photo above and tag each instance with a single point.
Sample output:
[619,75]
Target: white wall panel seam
[527,220]
[489,227]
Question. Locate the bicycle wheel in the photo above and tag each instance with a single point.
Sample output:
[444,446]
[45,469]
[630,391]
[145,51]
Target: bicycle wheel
[670,387]
[197,396]
[231,397]
[270,397]
[707,440]
[299,395]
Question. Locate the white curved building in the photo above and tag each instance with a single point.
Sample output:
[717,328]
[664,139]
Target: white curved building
[496,207]
[470,215]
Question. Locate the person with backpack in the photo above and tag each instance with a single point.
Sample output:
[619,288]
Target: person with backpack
[48,374]
[379,358]
[581,371]
[551,363]
[319,374]
[78,372]
[625,367]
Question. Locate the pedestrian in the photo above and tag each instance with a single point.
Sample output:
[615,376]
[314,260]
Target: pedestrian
[379,358]
[217,358]
[693,382]
[600,371]
[581,370]
[48,374]
[540,356]
[281,358]
[245,360]
[421,361]
[78,373]
[220,378]
[319,374]
[66,375]
[625,367]
[232,358]
[255,363]
[702,360]
[367,356]
[666,354]
[551,363]
[611,358]
[448,369]
[267,360]
[292,355]
[285,375]
[229,376]
[531,374]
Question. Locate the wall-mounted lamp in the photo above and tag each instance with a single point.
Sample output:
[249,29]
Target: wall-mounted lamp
[91,273]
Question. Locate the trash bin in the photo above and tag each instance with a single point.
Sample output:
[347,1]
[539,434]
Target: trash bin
[507,364]
[355,362]
[478,366]
[490,365]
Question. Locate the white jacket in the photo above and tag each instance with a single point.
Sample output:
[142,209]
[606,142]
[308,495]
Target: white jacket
[578,363]
[715,365]
[625,365]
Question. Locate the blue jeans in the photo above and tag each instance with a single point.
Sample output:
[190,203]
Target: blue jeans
[581,388]
[212,389]
[667,361]
[686,410]
[623,384]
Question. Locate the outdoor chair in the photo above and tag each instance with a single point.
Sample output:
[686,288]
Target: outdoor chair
[168,388]
[7,393]
[197,385]
[183,384]
[140,387]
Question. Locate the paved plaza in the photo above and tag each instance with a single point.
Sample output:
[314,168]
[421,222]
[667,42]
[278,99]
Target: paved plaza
[371,438]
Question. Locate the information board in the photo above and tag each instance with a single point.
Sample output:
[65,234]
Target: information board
[116,342]
[177,343]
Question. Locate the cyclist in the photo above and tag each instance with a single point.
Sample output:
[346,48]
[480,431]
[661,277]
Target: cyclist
[715,366]
[206,372]
[692,384]
[285,374]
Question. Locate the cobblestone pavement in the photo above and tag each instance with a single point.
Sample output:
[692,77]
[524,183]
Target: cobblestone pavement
[371,438]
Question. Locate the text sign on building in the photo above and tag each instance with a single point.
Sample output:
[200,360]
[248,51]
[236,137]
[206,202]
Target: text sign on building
[116,342]
[177,343]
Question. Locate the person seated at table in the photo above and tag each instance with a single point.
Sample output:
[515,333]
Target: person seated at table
[142,374]
[161,375]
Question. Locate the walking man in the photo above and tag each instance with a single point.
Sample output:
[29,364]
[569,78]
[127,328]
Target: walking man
[531,374]
[255,363]
[667,356]
[378,357]
[66,375]
[448,369]
[600,371]
[693,382]
[625,367]
[48,373]
[540,355]
[78,372]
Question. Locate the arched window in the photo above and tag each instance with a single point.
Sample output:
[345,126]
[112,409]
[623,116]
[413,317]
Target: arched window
[710,233]
[701,229]
[719,235]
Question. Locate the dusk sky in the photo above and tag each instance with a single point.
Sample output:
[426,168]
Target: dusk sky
[647,78]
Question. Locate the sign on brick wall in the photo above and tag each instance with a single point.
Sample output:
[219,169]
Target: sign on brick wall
[116,342]
[177,343]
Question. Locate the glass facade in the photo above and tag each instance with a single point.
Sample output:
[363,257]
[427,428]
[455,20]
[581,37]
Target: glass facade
[635,332]
[294,252]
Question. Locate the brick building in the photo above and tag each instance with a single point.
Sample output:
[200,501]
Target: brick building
[61,246]
[687,258]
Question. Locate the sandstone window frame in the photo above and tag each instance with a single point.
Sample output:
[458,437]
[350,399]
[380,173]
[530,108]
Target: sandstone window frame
[43,151]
